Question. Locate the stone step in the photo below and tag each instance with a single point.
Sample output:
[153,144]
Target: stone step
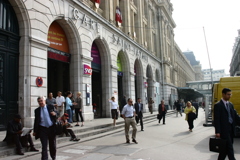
[85,134]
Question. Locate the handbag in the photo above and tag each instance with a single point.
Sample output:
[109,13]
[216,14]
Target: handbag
[159,116]
[191,116]
[58,128]
[217,145]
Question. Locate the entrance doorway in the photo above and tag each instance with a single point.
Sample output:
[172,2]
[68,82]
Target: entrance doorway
[58,60]
[97,93]
[58,77]
[9,65]
[97,82]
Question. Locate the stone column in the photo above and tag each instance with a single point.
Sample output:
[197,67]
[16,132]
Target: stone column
[86,79]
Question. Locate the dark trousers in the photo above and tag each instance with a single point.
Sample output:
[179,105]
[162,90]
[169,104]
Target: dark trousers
[77,114]
[190,123]
[139,118]
[67,131]
[47,135]
[229,148]
[162,117]
[22,141]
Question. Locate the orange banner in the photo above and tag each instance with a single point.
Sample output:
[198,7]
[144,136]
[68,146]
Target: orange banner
[57,38]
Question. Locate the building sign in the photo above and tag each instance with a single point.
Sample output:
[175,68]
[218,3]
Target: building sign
[39,81]
[58,55]
[85,20]
[128,47]
[59,49]
[95,54]
[87,69]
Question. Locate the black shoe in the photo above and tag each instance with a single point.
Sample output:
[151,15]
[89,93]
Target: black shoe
[76,139]
[142,130]
[128,142]
[20,152]
[77,125]
[71,139]
[134,140]
[164,123]
[34,149]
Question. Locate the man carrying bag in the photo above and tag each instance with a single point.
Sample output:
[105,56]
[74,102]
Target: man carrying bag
[225,118]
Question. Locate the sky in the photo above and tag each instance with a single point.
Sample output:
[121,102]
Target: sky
[221,21]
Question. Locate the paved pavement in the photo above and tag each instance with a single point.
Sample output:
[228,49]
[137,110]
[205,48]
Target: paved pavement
[157,141]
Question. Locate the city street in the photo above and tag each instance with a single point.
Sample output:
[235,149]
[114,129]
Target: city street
[157,141]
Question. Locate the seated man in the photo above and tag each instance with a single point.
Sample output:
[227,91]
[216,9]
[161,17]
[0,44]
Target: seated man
[66,127]
[13,135]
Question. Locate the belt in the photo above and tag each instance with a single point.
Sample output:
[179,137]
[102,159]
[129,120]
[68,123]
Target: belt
[45,127]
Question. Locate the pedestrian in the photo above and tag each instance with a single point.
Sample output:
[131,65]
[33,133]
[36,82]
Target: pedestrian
[196,106]
[78,109]
[190,112]
[178,108]
[51,100]
[162,110]
[123,103]
[60,103]
[138,106]
[73,106]
[114,110]
[69,103]
[128,114]
[66,127]
[225,118]
[14,135]
[44,127]
[150,105]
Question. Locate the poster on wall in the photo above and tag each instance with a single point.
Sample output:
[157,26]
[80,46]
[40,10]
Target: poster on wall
[59,49]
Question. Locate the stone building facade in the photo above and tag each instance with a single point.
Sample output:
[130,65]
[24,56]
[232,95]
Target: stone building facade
[79,45]
[235,62]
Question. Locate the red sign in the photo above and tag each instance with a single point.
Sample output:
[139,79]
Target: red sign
[39,81]
[87,69]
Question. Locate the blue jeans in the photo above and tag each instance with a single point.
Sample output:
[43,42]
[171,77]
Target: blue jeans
[70,114]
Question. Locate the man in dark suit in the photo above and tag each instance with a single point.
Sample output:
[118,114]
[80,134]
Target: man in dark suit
[162,111]
[139,109]
[225,118]
[44,127]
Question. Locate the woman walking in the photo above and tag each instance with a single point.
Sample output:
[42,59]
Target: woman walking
[78,109]
[150,105]
[68,106]
[190,112]
[114,110]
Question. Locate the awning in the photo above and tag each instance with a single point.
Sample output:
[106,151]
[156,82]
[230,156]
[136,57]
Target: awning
[188,94]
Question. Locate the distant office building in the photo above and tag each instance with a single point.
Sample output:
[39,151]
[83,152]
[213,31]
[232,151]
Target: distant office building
[195,64]
[216,74]
[235,62]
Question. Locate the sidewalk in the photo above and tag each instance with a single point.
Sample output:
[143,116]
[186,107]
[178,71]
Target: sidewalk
[89,124]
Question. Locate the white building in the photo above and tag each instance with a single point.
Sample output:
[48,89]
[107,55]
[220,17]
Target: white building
[79,45]
[216,74]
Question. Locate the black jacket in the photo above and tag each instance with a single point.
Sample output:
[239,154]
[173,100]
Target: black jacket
[136,106]
[221,121]
[12,128]
[37,120]
[160,109]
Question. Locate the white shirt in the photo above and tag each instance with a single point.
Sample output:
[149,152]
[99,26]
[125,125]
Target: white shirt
[60,100]
[114,104]
[128,110]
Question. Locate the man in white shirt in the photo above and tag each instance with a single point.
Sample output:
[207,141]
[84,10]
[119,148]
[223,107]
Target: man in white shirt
[60,104]
[128,114]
